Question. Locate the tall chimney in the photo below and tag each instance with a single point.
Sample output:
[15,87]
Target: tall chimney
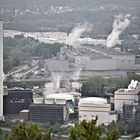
[1,70]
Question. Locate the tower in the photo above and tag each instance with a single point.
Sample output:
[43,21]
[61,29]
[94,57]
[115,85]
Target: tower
[1,70]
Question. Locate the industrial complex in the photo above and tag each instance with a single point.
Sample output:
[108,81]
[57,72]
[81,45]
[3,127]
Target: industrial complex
[61,100]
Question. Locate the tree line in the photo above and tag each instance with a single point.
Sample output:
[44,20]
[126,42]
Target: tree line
[98,86]
[20,50]
[85,130]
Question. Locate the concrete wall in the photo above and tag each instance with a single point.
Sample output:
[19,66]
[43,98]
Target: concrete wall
[125,62]
[116,63]
[101,64]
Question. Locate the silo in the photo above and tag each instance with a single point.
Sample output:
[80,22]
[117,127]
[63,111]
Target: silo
[1,70]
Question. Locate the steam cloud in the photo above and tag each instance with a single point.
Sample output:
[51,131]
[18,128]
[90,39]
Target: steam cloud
[76,33]
[121,22]
[77,73]
[79,62]
[53,86]
[72,38]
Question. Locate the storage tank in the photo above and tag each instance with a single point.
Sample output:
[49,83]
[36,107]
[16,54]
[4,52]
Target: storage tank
[61,98]
[91,107]
[125,96]
[38,100]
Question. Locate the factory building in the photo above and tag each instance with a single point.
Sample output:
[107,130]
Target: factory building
[100,64]
[54,113]
[92,107]
[127,96]
[53,108]
[130,114]
[1,70]
[16,100]
[127,114]
[113,65]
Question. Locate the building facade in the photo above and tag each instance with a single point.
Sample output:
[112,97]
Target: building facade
[17,100]
[54,113]
[92,107]
[128,96]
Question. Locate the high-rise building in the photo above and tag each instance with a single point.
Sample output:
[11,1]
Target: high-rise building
[1,70]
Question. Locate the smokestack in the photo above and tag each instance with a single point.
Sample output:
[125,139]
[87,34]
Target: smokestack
[1,70]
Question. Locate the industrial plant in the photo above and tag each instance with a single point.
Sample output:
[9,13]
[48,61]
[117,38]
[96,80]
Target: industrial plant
[78,59]
[92,107]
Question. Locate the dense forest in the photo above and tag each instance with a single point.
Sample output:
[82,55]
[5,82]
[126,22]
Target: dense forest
[63,15]
[19,50]
[99,87]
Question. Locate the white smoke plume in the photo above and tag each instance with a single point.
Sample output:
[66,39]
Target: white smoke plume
[56,81]
[53,86]
[49,88]
[76,33]
[121,22]
[79,62]
[76,75]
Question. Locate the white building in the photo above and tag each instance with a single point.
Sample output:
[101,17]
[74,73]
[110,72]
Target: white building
[118,62]
[61,99]
[1,70]
[91,107]
[127,96]
[58,98]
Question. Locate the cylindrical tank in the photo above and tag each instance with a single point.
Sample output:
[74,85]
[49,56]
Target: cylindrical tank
[93,100]
[38,100]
